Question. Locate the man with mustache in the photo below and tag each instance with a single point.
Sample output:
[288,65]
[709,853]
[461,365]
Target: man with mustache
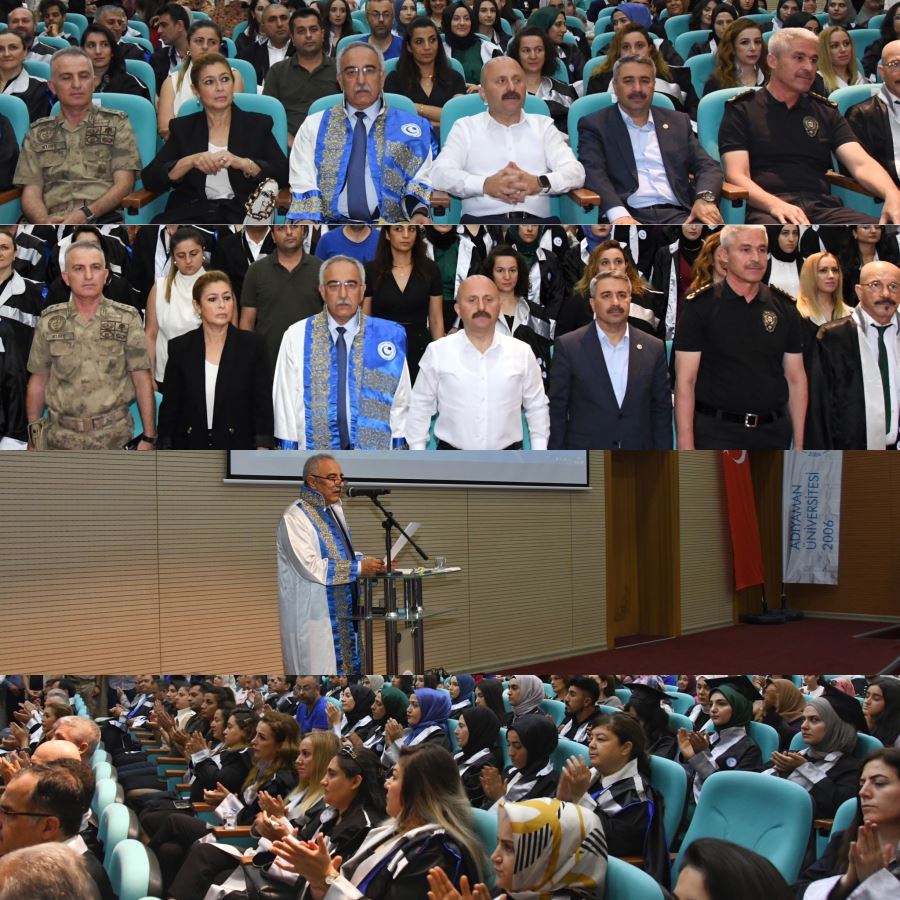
[855,377]
[505,163]
[609,385]
[739,377]
[478,382]
[362,160]
[341,380]
[777,143]
[639,159]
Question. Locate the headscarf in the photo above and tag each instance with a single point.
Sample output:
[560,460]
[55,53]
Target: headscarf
[543,18]
[399,27]
[887,726]
[799,19]
[484,729]
[690,248]
[741,707]
[531,692]
[466,688]
[776,252]
[492,691]
[558,847]
[637,13]
[363,698]
[839,735]
[790,702]
[435,706]
[592,240]
[376,682]
[539,738]
[395,703]
[528,250]
[691,687]
[453,40]
[845,685]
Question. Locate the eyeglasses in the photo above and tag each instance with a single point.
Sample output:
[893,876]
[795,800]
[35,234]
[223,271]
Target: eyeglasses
[380,16]
[334,479]
[354,71]
[878,286]
[893,65]
[336,285]
[10,814]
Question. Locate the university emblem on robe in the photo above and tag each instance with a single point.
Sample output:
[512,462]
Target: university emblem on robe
[810,126]
[770,320]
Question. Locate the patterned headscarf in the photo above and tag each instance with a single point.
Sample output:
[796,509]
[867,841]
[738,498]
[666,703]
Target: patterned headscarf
[558,846]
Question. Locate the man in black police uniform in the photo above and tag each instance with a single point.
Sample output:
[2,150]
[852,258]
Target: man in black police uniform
[777,143]
[739,377]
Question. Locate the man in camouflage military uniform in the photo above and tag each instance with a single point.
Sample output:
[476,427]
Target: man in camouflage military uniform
[88,361]
[76,167]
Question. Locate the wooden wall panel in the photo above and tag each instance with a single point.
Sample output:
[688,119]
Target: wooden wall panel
[707,582]
[78,562]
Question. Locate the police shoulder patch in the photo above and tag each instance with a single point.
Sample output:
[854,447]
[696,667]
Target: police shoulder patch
[703,287]
[743,95]
[822,99]
[782,293]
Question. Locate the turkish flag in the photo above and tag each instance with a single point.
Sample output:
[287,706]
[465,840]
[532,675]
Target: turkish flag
[748,564]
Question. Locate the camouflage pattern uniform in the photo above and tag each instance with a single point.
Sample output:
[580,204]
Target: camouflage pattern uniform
[74,167]
[89,363]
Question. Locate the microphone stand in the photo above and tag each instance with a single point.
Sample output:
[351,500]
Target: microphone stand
[389,523]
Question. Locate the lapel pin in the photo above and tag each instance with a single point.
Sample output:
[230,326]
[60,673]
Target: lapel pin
[640,347]
[665,125]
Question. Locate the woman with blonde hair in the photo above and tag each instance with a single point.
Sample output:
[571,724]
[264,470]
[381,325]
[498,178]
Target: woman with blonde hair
[709,266]
[740,59]
[837,59]
[821,297]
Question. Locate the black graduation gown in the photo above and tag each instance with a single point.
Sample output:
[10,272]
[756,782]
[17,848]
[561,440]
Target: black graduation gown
[470,773]
[664,744]
[21,299]
[542,783]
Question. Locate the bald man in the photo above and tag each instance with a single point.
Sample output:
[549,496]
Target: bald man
[50,751]
[855,379]
[478,382]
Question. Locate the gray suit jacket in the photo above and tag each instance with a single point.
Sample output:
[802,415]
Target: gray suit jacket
[604,150]
[584,413]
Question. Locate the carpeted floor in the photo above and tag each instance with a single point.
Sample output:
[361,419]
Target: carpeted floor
[813,645]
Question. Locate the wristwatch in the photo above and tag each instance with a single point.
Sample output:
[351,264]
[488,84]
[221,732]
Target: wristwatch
[149,440]
[89,217]
[706,196]
[544,182]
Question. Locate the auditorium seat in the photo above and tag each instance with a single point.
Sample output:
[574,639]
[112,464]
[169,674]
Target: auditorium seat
[624,694]
[676,721]
[248,73]
[117,823]
[106,792]
[682,703]
[134,871]
[862,38]
[669,779]
[391,64]
[676,25]
[555,709]
[701,67]
[764,736]
[485,823]
[16,111]
[143,71]
[771,816]
[601,42]
[685,42]
[452,725]
[140,27]
[566,748]
[627,882]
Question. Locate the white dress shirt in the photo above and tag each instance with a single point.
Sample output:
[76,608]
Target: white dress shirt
[891,343]
[616,358]
[479,397]
[479,146]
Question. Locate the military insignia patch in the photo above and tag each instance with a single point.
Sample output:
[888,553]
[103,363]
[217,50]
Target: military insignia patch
[56,323]
[770,320]
[114,331]
[810,126]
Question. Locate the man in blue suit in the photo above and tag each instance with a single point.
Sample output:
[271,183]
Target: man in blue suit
[638,160]
[609,386]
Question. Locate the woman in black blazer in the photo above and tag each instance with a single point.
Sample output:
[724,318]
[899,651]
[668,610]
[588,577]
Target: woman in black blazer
[219,361]
[214,159]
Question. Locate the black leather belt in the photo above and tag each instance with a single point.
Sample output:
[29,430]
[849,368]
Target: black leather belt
[748,420]
[443,445]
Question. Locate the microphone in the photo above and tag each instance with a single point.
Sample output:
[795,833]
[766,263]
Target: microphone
[366,492]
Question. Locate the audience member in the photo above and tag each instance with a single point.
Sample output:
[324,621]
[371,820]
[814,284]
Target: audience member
[462,43]
[531,741]
[719,870]
[882,710]
[16,80]
[172,25]
[277,45]
[77,166]
[393,186]
[740,60]
[477,735]
[110,74]
[337,23]
[50,871]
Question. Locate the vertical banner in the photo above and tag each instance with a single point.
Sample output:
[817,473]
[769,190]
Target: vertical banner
[747,552]
[811,514]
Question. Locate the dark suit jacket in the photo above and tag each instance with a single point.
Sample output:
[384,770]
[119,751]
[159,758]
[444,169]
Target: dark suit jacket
[836,418]
[98,876]
[869,121]
[584,414]
[242,415]
[250,136]
[257,54]
[610,168]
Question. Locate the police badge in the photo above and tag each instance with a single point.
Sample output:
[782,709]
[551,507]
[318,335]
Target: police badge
[770,320]
[810,126]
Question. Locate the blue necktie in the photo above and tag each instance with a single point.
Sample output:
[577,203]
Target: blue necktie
[343,425]
[357,202]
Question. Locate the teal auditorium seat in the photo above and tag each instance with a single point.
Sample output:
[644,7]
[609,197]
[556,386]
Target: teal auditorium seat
[676,721]
[684,42]
[682,703]
[771,816]
[104,770]
[608,710]
[238,29]
[248,73]
[141,27]
[875,22]
[485,823]
[865,744]
[572,22]
[16,111]
[668,778]
[843,817]
[60,43]
[143,43]
[701,67]
[391,64]
[106,792]
[134,871]
[862,38]
[588,70]
[504,747]
[549,693]
[627,882]
[452,725]
[676,25]
[118,823]
[230,48]
[601,42]
[555,709]
[38,69]
[764,736]
[845,98]
[143,71]
[709,117]
[566,748]
[69,27]
[624,694]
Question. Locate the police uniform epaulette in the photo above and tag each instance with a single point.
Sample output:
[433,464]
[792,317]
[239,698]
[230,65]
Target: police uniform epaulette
[700,290]
[822,99]
[743,95]
[774,288]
